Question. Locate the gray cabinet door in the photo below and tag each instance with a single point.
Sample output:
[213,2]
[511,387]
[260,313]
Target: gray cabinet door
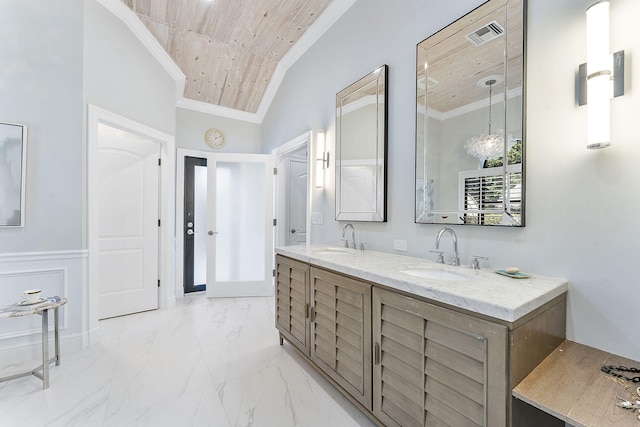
[436,367]
[341,331]
[292,307]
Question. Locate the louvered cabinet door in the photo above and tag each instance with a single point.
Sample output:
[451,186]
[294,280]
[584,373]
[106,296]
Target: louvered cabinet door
[292,296]
[341,331]
[436,367]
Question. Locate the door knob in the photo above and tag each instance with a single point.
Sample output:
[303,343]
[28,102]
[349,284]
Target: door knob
[190,232]
[211,233]
[293,231]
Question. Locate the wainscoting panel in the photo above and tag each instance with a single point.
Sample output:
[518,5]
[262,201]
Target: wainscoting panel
[52,282]
[60,273]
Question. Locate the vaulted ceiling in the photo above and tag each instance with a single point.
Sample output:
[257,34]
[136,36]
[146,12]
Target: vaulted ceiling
[228,49]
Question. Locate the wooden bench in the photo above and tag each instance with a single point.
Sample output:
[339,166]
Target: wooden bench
[570,386]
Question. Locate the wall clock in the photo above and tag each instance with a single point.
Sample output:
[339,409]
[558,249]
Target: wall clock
[214,138]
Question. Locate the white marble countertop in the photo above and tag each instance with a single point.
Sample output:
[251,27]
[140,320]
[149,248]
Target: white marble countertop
[481,291]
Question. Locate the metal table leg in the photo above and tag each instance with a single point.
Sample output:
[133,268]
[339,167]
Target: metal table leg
[45,349]
[56,318]
[42,371]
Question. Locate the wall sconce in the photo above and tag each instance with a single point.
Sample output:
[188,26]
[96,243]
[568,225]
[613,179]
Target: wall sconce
[322,159]
[601,78]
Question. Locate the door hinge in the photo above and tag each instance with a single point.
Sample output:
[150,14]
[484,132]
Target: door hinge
[275,171]
[158,282]
[275,222]
[158,223]
[274,272]
[159,162]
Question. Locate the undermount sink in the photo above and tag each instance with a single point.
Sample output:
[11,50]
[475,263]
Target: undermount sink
[426,273]
[332,251]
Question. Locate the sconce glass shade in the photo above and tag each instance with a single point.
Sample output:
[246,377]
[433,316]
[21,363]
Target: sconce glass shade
[599,76]
[320,160]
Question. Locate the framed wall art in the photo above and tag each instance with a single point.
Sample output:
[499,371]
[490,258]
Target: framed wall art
[13,162]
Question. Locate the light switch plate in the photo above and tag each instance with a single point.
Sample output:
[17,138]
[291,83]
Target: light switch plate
[317,218]
[400,245]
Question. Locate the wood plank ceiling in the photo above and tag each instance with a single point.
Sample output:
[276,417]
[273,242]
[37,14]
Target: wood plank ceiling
[456,66]
[228,49]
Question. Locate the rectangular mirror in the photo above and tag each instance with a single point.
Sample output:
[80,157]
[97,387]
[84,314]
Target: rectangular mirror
[361,149]
[469,118]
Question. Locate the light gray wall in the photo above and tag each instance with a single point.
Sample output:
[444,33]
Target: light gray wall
[241,136]
[581,204]
[41,87]
[121,76]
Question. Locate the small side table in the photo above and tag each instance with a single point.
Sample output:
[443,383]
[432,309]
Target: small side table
[41,309]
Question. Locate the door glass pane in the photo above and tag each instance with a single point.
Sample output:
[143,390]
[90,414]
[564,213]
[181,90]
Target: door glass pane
[200,225]
[240,223]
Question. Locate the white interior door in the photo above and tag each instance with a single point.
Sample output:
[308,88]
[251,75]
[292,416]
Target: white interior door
[128,212]
[239,225]
[296,150]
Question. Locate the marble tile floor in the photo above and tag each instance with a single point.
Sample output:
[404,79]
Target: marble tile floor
[205,362]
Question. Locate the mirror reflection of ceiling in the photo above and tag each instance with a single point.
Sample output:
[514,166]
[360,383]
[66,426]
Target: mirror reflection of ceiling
[228,49]
[456,65]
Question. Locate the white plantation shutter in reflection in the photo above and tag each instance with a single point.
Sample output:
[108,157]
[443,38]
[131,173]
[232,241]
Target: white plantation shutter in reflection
[483,195]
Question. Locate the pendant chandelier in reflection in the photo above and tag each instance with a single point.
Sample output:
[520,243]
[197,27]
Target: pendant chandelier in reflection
[486,145]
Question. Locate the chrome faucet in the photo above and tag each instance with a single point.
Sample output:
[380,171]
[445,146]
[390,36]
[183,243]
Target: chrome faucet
[353,235]
[456,259]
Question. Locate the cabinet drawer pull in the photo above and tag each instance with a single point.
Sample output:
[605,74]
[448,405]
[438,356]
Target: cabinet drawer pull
[376,354]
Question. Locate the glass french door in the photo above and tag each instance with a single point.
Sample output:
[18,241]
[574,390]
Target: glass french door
[239,225]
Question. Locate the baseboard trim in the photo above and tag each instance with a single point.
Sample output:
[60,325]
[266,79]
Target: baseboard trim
[33,350]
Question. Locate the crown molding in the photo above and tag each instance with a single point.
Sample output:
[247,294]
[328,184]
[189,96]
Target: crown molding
[497,99]
[329,17]
[131,20]
[476,105]
[217,110]
[362,102]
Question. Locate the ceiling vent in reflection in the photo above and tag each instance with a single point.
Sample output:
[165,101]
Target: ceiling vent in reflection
[431,82]
[486,33]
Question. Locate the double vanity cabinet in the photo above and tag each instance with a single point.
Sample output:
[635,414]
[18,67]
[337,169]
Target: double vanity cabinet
[413,351]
